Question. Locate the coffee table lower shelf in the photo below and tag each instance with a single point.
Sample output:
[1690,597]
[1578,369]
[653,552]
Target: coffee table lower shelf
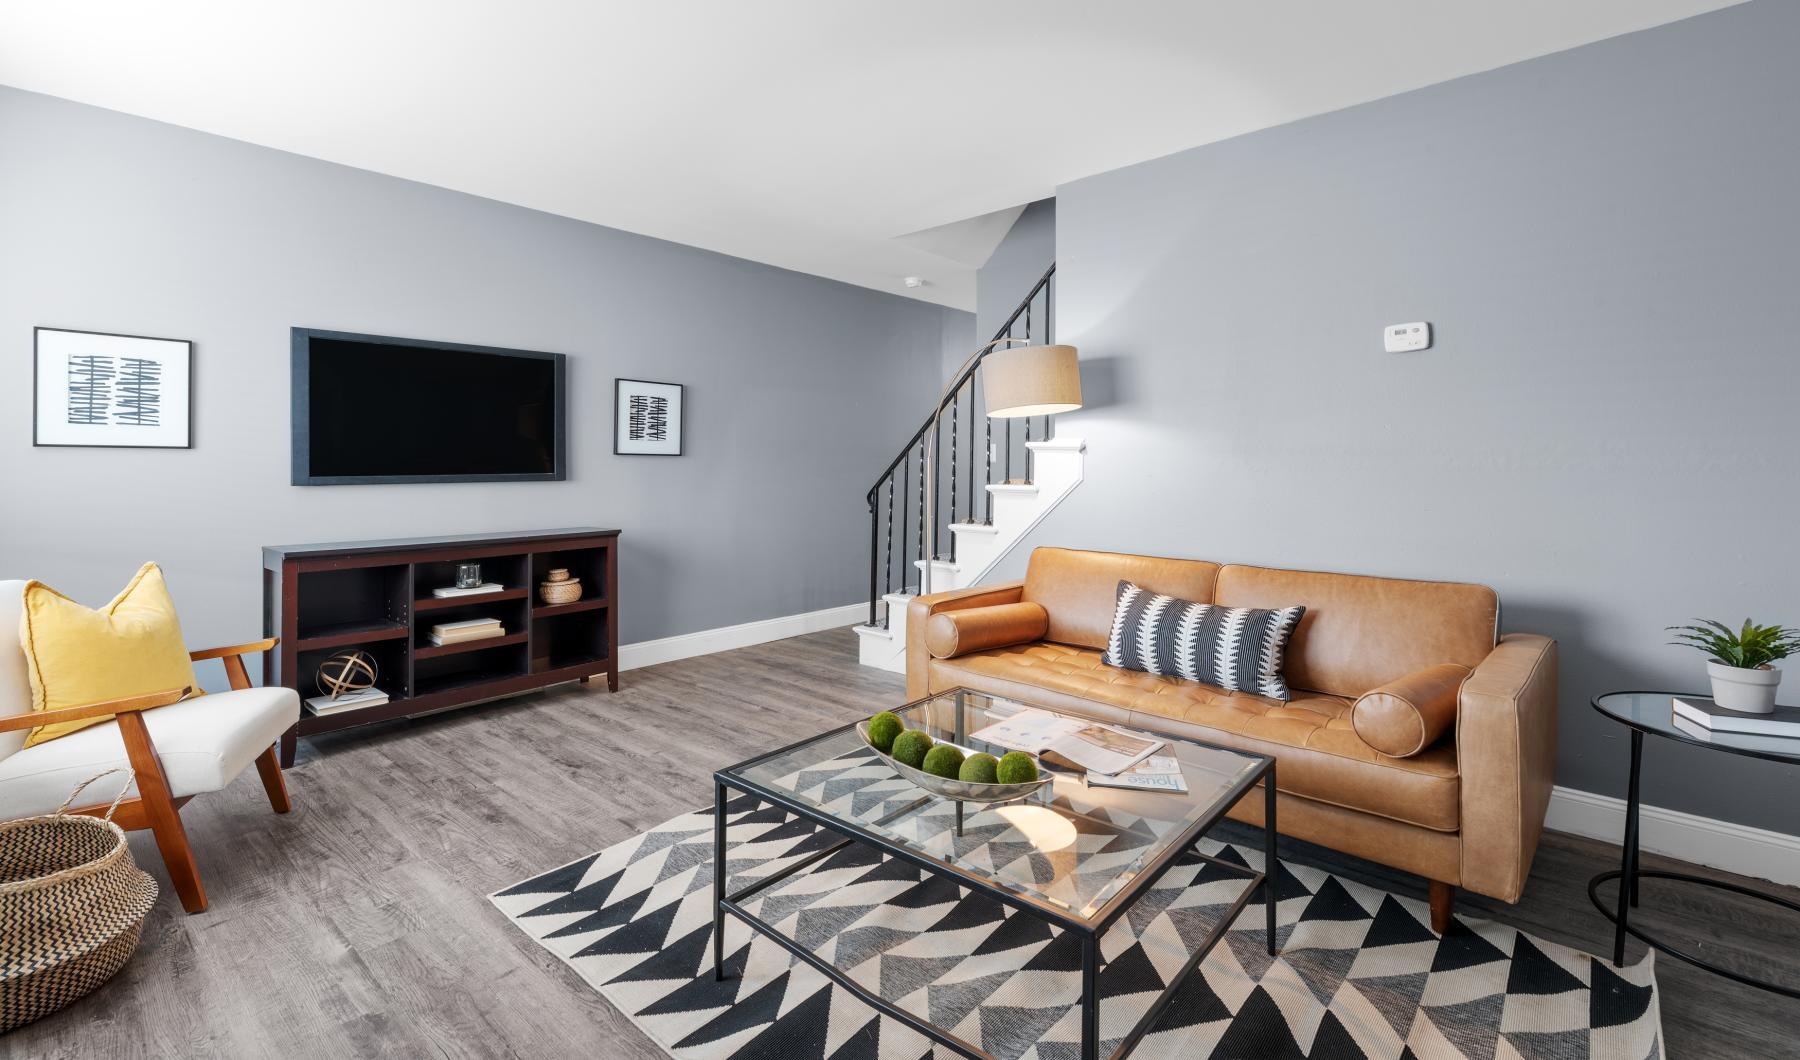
[1089,931]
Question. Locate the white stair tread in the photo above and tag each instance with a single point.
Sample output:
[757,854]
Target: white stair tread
[873,631]
[974,528]
[1057,445]
[938,564]
[1024,489]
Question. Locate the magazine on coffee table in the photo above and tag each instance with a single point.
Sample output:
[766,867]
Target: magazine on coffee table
[1156,773]
[1092,746]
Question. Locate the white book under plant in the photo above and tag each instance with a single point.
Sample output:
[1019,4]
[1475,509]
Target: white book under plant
[1782,721]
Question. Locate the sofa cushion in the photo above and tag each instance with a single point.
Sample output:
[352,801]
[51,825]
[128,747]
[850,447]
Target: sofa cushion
[967,629]
[1402,718]
[1360,632]
[203,743]
[1238,649]
[1078,588]
[1318,753]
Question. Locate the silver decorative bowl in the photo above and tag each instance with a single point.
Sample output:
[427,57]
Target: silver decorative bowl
[960,790]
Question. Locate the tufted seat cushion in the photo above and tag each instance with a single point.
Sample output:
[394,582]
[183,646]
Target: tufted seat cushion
[1320,755]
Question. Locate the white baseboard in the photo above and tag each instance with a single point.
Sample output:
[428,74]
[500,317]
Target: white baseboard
[725,638]
[1701,840]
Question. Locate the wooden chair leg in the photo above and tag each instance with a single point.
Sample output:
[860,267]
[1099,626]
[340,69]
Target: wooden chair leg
[163,816]
[269,768]
[1443,904]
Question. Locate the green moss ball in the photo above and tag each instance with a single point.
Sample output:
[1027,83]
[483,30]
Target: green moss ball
[883,728]
[910,747]
[1016,768]
[943,761]
[980,768]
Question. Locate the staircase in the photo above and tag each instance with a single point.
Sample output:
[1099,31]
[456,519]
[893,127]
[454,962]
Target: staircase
[989,493]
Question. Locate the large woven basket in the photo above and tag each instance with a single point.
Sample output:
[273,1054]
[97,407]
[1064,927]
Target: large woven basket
[72,905]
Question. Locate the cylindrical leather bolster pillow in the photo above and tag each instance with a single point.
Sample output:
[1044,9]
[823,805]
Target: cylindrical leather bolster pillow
[1402,718]
[953,633]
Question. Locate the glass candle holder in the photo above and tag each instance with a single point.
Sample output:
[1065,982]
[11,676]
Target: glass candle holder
[468,575]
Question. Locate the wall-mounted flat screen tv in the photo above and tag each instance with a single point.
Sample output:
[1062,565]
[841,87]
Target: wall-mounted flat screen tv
[369,408]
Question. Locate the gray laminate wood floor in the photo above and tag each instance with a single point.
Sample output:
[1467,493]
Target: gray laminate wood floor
[357,925]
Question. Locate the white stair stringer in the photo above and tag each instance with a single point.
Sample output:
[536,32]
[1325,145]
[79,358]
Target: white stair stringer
[1017,509]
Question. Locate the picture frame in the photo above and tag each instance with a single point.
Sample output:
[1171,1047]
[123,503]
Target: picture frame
[102,390]
[648,418]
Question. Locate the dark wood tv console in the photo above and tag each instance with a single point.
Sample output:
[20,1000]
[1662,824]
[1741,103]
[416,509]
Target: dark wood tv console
[377,596]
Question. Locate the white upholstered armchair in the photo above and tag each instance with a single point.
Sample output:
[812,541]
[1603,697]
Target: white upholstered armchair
[178,747]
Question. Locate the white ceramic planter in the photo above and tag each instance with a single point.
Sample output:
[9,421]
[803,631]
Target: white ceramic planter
[1749,691]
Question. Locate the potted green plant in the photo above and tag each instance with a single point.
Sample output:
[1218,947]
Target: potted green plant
[1739,662]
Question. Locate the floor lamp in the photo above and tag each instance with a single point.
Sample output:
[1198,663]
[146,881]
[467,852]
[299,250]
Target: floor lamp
[1017,382]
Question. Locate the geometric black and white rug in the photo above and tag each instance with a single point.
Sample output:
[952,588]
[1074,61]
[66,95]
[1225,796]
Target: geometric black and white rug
[1360,973]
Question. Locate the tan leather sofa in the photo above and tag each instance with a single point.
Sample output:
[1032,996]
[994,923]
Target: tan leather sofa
[1470,717]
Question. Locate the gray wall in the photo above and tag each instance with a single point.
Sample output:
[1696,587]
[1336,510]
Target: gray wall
[799,388]
[1606,241]
[1016,264]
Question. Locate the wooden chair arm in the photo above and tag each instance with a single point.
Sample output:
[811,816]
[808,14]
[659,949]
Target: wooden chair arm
[234,659]
[31,719]
[236,649]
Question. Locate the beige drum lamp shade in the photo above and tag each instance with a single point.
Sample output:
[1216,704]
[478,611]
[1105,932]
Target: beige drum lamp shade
[1031,381]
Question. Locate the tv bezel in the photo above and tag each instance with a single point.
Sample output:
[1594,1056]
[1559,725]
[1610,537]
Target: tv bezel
[301,418]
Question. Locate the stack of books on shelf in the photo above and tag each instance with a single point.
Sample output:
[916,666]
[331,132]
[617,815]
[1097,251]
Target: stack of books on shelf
[1702,719]
[367,697]
[473,590]
[471,629]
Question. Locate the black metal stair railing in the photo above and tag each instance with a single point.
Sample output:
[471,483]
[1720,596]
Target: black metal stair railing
[966,462]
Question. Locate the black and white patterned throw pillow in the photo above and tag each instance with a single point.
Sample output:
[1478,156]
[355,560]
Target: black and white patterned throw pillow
[1236,648]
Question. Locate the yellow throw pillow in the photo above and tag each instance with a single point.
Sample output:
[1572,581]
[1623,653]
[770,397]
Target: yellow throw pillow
[76,655]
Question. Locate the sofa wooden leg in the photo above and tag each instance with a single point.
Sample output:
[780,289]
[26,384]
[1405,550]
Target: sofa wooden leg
[269,768]
[162,814]
[1443,904]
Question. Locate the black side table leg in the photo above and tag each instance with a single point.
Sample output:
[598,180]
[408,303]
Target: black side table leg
[1090,997]
[718,882]
[1628,858]
[1271,864]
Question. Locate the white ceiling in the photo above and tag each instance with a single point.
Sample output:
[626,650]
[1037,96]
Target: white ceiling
[811,134]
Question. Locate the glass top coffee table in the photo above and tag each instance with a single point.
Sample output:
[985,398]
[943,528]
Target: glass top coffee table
[1074,855]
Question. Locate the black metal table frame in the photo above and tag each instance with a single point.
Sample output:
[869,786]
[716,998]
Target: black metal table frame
[1628,872]
[1089,929]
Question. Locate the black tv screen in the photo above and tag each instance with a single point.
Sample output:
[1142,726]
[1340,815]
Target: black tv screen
[369,408]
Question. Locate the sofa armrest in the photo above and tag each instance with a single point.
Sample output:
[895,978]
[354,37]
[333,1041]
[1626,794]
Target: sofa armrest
[1506,754]
[918,616]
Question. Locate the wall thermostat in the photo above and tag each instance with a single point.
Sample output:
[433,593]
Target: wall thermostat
[1404,338]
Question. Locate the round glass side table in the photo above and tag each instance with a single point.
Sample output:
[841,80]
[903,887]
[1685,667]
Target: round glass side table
[1654,713]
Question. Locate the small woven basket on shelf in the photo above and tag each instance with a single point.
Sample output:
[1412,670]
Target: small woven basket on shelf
[560,588]
[72,906]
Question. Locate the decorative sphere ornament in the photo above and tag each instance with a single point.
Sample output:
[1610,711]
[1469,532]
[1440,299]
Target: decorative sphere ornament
[346,672]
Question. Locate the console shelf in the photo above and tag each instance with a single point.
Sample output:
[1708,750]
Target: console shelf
[340,634]
[376,595]
[438,603]
[438,651]
[549,610]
